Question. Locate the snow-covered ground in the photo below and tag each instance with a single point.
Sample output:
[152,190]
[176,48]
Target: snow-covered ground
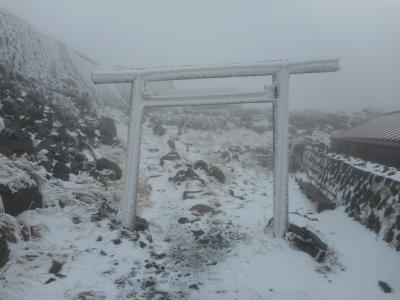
[225,254]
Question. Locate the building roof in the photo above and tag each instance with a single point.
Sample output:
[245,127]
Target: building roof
[384,129]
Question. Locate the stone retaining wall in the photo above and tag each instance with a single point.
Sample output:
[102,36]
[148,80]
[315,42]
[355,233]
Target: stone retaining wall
[370,192]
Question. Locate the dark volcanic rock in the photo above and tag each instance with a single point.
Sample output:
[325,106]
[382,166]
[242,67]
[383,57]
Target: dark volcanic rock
[148,283]
[158,130]
[171,145]
[9,232]
[385,287]
[141,224]
[172,155]
[197,233]
[190,194]
[216,173]
[200,164]
[183,220]
[61,171]
[108,131]
[50,280]
[185,175]
[307,241]
[21,200]
[15,142]
[103,164]
[4,251]
[202,209]
[116,241]
[56,267]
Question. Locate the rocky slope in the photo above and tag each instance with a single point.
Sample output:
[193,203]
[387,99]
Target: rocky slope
[52,118]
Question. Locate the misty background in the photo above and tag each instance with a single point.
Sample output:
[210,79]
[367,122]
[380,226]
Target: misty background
[365,34]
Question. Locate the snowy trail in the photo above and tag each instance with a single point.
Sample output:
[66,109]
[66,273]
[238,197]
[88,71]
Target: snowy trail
[221,255]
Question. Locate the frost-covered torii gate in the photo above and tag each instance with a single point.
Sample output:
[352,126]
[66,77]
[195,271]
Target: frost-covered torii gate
[277,94]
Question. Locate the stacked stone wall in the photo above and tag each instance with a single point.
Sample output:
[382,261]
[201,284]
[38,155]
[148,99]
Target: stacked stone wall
[369,198]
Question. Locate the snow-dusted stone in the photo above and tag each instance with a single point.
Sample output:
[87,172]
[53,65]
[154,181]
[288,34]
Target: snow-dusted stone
[18,190]
[185,175]
[307,241]
[190,194]
[15,142]
[56,267]
[103,165]
[171,144]
[202,209]
[172,156]
[61,171]
[9,233]
[4,251]
[200,164]
[216,173]
[386,288]
[158,130]
[141,224]
[108,130]
[90,295]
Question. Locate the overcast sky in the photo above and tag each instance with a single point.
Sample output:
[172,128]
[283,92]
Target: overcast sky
[364,33]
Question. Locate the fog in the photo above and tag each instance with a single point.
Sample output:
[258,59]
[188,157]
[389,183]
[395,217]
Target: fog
[365,34]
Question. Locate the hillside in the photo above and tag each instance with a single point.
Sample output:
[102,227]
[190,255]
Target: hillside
[50,64]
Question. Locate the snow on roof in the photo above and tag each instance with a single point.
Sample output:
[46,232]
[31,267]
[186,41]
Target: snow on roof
[385,128]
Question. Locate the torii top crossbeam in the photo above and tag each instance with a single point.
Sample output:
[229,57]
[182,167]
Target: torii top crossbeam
[278,94]
[263,68]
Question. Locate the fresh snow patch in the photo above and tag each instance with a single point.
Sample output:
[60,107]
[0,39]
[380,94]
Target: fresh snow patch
[226,254]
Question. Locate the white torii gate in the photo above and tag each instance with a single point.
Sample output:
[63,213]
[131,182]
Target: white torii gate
[277,94]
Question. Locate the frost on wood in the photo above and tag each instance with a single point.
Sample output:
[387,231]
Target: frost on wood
[262,68]
[281,164]
[133,156]
[278,94]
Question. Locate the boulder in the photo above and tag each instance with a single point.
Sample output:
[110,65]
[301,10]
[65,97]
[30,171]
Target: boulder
[56,267]
[61,171]
[4,251]
[386,288]
[185,175]
[158,130]
[103,165]
[307,241]
[108,131]
[202,209]
[90,295]
[9,232]
[172,156]
[21,200]
[190,194]
[18,190]
[171,145]
[15,142]
[141,224]
[201,164]
[216,173]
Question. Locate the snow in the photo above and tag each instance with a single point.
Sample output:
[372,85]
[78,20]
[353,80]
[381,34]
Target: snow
[12,176]
[1,123]
[248,263]
[260,68]
[30,52]
[371,167]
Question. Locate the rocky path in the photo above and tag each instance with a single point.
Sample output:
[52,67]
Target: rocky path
[206,238]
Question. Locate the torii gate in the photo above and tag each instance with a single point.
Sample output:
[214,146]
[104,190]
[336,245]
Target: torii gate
[277,94]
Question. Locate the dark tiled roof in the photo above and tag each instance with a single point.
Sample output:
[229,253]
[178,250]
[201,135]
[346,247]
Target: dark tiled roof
[385,128]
